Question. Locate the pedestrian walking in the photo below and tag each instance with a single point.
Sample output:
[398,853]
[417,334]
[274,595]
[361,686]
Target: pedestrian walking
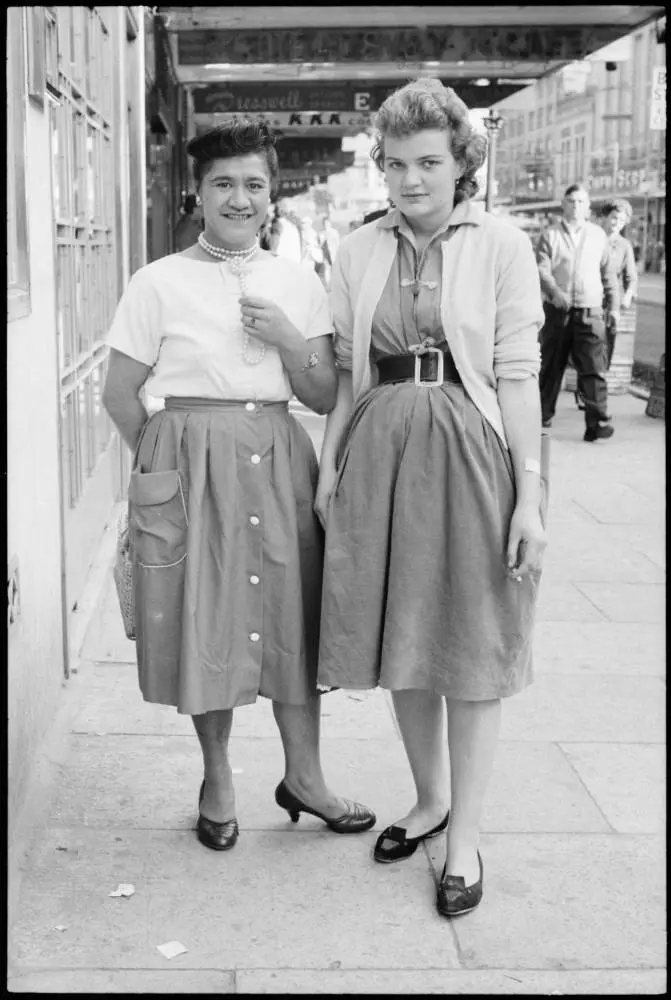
[190,225]
[430,477]
[616,215]
[227,551]
[580,299]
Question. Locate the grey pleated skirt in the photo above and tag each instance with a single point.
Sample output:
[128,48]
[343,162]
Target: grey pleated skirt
[228,556]
[416,593]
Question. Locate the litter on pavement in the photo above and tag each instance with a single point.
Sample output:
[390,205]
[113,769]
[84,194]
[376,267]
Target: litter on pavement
[171,949]
[125,889]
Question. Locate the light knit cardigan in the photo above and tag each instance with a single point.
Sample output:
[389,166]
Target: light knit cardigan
[490,307]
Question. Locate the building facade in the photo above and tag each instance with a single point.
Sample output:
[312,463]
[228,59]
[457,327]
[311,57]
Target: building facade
[591,123]
[75,233]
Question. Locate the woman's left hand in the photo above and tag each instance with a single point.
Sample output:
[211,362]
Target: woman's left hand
[264,319]
[526,542]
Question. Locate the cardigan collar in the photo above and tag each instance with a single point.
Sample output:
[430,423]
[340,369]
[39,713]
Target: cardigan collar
[465,213]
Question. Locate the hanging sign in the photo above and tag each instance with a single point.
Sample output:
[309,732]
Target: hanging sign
[301,97]
[310,122]
[658,103]
[437,43]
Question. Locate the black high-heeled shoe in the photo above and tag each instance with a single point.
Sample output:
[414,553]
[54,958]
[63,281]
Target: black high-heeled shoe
[404,847]
[357,818]
[216,836]
[454,897]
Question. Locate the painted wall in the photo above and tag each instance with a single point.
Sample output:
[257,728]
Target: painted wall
[35,640]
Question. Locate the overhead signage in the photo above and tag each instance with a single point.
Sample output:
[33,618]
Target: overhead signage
[313,120]
[353,96]
[658,104]
[437,43]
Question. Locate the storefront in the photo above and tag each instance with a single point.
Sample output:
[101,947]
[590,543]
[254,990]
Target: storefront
[75,233]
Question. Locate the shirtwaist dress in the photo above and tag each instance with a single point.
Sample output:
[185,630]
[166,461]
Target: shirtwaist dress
[227,549]
[416,593]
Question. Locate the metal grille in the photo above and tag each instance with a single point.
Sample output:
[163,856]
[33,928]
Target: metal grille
[83,186]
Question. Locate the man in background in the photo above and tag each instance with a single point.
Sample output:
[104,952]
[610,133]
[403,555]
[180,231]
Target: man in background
[581,296]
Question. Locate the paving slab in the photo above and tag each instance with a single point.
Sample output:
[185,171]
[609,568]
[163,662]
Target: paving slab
[105,639]
[66,981]
[627,781]
[623,505]
[552,902]
[591,552]
[401,982]
[611,648]
[275,901]
[646,538]
[594,708]
[152,782]
[111,702]
[563,602]
[627,602]
[535,789]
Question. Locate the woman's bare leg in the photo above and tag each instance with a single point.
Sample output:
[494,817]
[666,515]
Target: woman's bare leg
[421,719]
[472,734]
[214,730]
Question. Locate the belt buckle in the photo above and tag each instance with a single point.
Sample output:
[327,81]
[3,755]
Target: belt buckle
[418,367]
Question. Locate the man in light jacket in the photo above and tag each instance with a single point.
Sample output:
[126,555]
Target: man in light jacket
[577,277]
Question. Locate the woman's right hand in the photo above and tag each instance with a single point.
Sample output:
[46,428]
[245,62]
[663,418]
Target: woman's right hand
[325,487]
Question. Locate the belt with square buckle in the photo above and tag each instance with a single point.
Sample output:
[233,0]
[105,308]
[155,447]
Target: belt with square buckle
[431,368]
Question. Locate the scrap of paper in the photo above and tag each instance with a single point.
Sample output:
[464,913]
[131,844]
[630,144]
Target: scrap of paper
[171,949]
[125,889]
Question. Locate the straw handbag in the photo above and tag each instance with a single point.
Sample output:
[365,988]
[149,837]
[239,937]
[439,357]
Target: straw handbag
[123,576]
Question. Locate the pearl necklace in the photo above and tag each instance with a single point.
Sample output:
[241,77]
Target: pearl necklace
[237,261]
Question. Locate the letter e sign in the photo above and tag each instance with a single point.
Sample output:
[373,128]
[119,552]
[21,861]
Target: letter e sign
[362,101]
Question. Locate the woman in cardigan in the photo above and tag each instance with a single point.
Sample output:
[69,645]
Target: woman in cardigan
[430,478]
[227,550]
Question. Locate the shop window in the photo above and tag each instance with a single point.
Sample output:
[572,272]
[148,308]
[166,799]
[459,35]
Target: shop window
[18,265]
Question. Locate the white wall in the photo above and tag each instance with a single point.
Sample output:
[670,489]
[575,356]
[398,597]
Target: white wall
[35,640]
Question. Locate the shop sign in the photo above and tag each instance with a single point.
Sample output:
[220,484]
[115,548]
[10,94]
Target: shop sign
[303,120]
[354,95]
[658,105]
[438,43]
[622,181]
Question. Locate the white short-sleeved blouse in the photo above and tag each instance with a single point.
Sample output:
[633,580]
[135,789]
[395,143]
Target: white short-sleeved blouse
[182,317]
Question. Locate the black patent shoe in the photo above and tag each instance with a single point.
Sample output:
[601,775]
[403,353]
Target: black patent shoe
[454,897]
[217,836]
[357,818]
[403,847]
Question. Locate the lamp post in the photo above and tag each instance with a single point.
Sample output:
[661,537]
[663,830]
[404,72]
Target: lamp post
[493,123]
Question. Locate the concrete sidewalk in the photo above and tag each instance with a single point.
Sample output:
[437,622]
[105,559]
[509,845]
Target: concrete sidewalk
[573,841]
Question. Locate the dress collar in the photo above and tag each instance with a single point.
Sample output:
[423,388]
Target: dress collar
[465,213]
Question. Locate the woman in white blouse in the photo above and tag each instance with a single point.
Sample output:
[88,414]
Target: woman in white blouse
[227,550]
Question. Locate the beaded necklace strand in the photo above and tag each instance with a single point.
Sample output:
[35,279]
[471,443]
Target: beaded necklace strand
[237,260]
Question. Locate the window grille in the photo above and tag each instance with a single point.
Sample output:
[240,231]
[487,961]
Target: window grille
[81,91]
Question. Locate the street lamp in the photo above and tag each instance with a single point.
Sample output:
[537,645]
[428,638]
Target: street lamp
[493,122]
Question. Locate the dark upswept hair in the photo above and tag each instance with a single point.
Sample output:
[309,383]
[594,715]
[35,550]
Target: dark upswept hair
[618,205]
[426,104]
[572,188]
[234,138]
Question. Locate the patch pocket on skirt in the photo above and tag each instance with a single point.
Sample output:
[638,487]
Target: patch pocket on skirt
[158,519]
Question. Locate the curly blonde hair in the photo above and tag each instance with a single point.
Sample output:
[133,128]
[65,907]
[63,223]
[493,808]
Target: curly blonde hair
[426,104]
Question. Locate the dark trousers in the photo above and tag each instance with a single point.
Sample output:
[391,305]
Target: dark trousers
[611,333]
[578,334]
